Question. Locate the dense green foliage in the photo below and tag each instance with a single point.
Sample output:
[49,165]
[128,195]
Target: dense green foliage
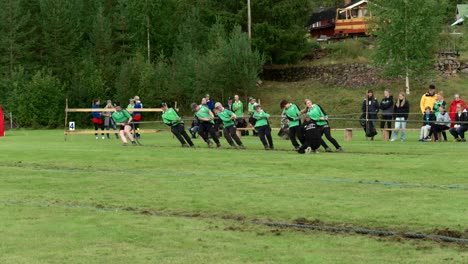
[161,50]
[407,34]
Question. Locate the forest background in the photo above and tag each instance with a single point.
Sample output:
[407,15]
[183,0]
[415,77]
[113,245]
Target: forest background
[162,50]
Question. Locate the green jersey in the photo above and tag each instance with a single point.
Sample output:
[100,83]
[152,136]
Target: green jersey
[251,109]
[261,118]
[315,113]
[238,108]
[225,115]
[171,118]
[121,116]
[204,112]
[293,113]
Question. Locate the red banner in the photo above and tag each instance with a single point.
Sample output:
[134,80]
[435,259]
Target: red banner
[2,123]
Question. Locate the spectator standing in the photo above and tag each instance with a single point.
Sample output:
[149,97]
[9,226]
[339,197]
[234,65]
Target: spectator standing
[440,101]
[238,109]
[370,108]
[453,107]
[209,103]
[386,105]
[108,121]
[137,115]
[97,118]
[229,105]
[428,99]
[458,130]
[401,112]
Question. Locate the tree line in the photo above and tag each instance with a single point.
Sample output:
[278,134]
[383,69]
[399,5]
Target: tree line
[162,50]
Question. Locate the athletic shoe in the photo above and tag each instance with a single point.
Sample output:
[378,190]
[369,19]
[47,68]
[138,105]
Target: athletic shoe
[339,149]
[218,145]
[125,144]
[192,146]
[457,140]
[328,150]
[421,140]
[185,145]
[308,150]
[267,148]
[462,140]
[134,143]
[233,147]
[103,137]
[297,148]
[241,147]
[209,144]
[315,151]
[97,137]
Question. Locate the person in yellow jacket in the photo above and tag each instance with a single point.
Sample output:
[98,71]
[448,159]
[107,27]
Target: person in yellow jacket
[428,99]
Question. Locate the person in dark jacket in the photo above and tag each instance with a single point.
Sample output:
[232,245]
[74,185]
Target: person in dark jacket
[458,130]
[429,119]
[400,111]
[370,108]
[386,105]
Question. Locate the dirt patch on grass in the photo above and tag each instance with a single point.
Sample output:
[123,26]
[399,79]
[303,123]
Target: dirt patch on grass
[448,232]
[305,221]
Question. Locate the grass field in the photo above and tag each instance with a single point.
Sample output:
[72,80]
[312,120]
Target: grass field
[95,201]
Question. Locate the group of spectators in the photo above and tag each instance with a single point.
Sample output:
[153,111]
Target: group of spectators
[436,118]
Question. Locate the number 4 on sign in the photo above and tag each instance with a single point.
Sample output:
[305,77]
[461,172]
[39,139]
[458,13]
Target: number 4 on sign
[71,126]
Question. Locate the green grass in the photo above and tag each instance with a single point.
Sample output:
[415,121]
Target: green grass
[42,176]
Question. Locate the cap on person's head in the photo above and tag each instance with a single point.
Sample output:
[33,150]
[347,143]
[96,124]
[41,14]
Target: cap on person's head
[163,104]
[194,107]
[431,87]
[250,98]
[256,106]
[283,103]
[229,98]
[117,104]
[218,104]
[132,100]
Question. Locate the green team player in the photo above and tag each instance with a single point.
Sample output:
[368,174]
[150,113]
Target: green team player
[123,119]
[263,127]
[293,114]
[171,118]
[229,129]
[206,118]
